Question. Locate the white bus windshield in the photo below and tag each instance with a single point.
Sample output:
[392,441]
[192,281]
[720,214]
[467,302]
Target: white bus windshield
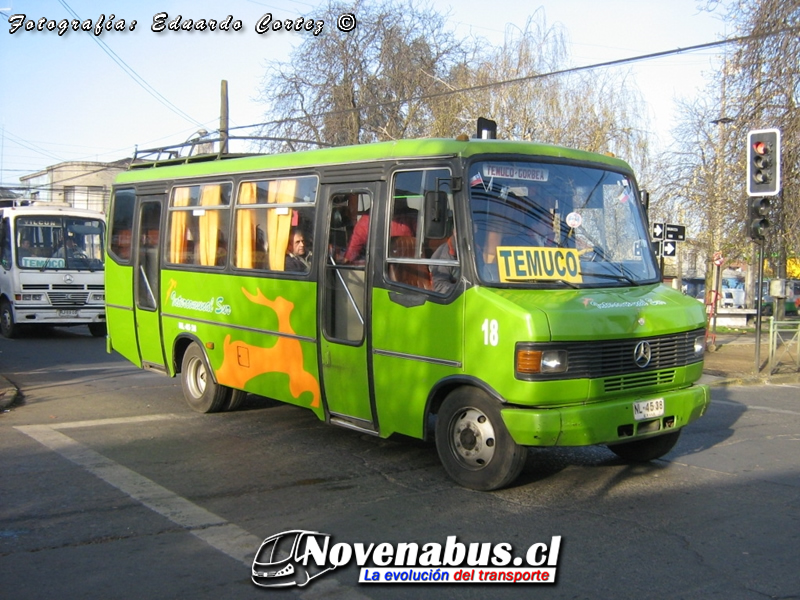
[58,242]
[547,224]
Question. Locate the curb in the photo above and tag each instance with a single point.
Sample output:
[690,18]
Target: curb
[760,379]
[8,393]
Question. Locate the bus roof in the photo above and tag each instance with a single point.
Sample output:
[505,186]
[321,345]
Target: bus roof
[45,208]
[396,150]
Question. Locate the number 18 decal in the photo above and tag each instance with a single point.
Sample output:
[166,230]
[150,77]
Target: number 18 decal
[491,332]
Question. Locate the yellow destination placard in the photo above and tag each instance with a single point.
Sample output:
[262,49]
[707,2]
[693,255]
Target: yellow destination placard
[536,263]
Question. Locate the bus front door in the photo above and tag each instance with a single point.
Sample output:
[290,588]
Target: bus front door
[343,298]
[146,286]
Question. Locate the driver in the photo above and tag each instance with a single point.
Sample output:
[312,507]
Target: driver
[69,249]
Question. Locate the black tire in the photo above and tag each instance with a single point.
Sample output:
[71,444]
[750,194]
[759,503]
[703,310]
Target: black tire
[98,329]
[473,443]
[646,449]
[8,327]
[235,400]
[202,393]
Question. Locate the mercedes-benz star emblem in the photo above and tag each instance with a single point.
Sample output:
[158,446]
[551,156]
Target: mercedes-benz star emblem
[642,354]
[67,278]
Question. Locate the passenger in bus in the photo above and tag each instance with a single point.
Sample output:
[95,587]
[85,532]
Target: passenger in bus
[445,278]
[25,249]
[404,223]
[298,257]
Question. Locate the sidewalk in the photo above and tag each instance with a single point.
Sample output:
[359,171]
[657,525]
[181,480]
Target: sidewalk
[733,362]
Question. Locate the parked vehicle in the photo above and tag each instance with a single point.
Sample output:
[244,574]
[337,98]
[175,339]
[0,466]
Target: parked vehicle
[52,268]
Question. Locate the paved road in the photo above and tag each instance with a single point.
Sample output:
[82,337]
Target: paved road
[112,488]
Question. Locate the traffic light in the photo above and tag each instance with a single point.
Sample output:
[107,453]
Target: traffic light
[763,162]
[759,209]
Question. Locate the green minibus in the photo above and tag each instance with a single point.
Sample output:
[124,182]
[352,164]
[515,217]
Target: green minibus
[490,295]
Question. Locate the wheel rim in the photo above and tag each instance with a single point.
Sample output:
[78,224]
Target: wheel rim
[196,377]
[6,319]
[472,438]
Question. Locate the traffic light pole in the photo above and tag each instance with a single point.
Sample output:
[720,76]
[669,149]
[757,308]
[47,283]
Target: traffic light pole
[758,304]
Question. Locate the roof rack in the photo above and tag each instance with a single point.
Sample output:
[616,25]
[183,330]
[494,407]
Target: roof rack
[199,151]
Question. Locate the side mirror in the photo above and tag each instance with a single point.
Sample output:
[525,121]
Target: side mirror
[435,215]
[645,199]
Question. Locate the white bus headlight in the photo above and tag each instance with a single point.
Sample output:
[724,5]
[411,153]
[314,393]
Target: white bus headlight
[699,346]
[532,361]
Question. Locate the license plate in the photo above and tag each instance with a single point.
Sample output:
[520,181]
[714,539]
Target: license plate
[67,313]
[648,409]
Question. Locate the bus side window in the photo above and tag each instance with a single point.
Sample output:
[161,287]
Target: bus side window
[119,234]
[198,225]
[5,244]
[268,213]
[410,255]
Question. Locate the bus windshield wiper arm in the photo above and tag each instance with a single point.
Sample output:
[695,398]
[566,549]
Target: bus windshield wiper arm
[616,277]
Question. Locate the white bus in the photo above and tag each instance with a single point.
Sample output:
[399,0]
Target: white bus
[51,268]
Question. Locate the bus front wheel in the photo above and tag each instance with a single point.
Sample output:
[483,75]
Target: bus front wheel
[473,443]
[202,393]
[7,325]
[98,329]
[646,449]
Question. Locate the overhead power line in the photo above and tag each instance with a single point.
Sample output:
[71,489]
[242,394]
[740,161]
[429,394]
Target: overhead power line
[516,80]
[132,72]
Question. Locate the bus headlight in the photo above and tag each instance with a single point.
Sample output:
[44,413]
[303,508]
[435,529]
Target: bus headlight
[98,297]
[699,346]
[28,297]
[530,361]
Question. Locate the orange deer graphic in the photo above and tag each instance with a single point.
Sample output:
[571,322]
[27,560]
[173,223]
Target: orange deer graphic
[241,362]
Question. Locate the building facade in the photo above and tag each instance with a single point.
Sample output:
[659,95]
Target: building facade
[80,184]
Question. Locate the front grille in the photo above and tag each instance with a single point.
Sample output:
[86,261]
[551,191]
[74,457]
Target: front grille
[68,298]
[633,381]
[614,359]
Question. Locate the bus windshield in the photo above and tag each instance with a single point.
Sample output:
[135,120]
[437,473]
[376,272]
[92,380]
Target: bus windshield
[551,225]
[59,242]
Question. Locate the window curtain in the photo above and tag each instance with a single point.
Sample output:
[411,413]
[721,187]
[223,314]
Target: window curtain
[210,195]
[177,236]
[278,225]
[246,228]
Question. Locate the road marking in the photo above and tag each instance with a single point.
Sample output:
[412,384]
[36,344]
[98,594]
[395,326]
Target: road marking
[115,421]
[216,531]
[779,411]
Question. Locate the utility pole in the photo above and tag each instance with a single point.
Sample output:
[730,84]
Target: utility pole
[223,118]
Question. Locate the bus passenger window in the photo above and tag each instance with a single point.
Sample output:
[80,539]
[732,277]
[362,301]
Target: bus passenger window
[122,224]
[412,259]
[198,225]
[268,214]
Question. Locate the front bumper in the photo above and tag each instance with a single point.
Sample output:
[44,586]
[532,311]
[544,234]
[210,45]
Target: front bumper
[56,316]
[605,422]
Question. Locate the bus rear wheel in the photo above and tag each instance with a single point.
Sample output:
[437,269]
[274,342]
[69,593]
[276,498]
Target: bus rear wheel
[202,393]
[647,449]
[473,443]
[8,327]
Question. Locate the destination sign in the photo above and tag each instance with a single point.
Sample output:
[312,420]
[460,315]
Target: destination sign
[527,263]
[515,172]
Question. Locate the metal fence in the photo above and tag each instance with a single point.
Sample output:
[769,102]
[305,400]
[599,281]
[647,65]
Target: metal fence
[784,345]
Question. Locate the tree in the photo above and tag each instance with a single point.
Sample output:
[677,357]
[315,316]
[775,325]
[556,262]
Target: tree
[763,80]
[367,84]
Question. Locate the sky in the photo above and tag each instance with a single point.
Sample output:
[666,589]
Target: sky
[86,97]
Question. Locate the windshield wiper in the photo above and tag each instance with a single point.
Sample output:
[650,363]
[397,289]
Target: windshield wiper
[613,276]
